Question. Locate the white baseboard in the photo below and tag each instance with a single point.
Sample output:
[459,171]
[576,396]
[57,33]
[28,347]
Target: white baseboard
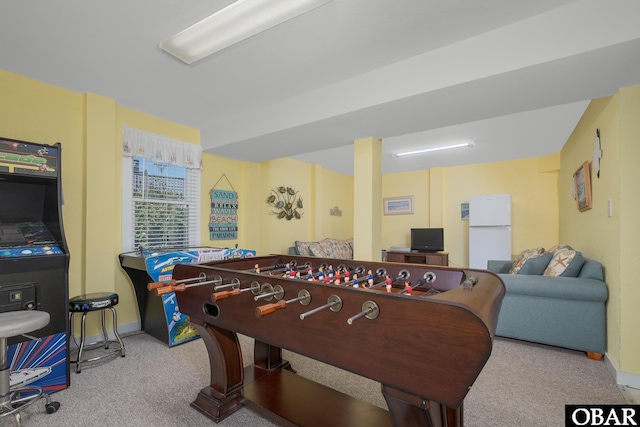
[622,378]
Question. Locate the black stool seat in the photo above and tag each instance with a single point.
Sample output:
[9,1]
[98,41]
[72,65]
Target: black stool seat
[93,302]
[85,303]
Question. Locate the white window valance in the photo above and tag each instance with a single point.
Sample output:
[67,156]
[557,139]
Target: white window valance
[159,148]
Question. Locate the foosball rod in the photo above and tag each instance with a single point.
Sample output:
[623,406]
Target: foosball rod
[279,268]
[370,310]
[219,296]
[419,283]
[381,272]
[334,303]
[183,286]
[304,297]
[154,285]
[298,268]
[266,268]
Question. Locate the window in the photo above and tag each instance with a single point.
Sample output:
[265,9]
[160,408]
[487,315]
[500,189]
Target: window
[160,191]
[160,202]
[163,205]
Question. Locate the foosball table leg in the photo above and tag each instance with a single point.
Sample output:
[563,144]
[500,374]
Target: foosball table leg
[224,395]
[410,410]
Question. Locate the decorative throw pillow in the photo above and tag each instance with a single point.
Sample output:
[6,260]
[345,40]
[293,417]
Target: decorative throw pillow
[536,264]
[556,248]
[574,267]
[560,261]
[321,248]
[342,250]
[303,248]
[523,257]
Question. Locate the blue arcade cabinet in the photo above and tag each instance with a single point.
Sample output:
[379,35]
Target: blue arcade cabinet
[160,316]
[34,260]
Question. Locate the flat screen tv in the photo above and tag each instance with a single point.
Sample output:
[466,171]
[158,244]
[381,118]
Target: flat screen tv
[427,239]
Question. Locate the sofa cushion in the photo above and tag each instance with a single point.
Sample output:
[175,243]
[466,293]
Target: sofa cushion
[332,248]
[523,257]
[591,270]
[568,288]
[573,269]
[561,263]
[536,264]
[303,248]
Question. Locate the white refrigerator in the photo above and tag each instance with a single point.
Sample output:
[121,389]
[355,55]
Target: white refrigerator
[489,229]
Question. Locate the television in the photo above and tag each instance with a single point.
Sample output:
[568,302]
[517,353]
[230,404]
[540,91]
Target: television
[427,239]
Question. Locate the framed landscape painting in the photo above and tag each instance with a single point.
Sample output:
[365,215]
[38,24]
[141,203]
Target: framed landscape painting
[398,205]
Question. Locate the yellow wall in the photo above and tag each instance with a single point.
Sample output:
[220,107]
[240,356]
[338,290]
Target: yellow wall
[320,190]
[532,184]
[38,112]
[337,190]
[610,240]
[629,205]
[396,228]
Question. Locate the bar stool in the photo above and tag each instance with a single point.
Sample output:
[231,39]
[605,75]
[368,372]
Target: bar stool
[93,302]
[14,323]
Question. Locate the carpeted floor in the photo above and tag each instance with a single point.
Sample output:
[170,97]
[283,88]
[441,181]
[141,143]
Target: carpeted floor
[522,384]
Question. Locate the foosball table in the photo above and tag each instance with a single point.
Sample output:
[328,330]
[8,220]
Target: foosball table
[423,332]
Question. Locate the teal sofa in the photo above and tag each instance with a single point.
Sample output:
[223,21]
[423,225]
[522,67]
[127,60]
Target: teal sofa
[567,312]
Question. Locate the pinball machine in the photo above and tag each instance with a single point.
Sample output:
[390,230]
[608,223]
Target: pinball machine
[159,315]
[426,332]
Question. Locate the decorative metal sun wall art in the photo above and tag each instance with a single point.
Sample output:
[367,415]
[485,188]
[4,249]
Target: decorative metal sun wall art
[285,202]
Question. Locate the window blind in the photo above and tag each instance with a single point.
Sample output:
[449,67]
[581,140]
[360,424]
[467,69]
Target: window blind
[164,205]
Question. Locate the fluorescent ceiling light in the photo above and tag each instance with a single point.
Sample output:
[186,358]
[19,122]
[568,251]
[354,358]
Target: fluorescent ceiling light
[466,144]
[234,23]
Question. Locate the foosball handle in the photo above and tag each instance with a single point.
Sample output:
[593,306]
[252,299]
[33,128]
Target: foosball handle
[156,285]
[169,289]
[219,296]
[263,310]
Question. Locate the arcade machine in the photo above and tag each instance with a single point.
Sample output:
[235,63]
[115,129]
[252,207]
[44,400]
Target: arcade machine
[34,260]
[160,316]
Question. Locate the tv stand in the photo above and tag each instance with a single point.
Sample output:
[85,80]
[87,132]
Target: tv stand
[429,258]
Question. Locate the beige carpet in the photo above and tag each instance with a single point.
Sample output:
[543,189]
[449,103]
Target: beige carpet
[522,384]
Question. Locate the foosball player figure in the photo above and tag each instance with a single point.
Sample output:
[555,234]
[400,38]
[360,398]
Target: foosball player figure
[407,288]
[292,273]
[330,270]
[354,282]
[256,268]
[389,283]
[346,276]
[370,278]
[287,270]
[337,281]
[337,275]
[298,275]
[327,279]
[310,277]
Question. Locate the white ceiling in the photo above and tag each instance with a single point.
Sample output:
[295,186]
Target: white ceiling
[513,75]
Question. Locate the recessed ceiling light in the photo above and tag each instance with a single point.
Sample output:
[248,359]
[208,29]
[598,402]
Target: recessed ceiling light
[236,22]
[466,144]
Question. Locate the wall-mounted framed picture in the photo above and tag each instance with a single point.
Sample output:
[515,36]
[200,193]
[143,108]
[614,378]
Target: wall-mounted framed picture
[582,187]
[464,211]
[398,205]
